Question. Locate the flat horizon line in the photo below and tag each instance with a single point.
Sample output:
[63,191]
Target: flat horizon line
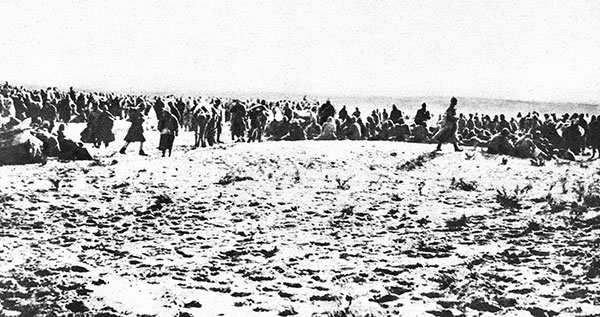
[190,92]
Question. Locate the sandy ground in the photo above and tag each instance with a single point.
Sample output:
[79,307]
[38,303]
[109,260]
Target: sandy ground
[311,228]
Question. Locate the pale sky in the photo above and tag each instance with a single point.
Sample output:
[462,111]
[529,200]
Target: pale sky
[528,50]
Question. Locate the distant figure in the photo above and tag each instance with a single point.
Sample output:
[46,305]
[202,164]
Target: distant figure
[594,135]
[329,130]
[343,115]
[168,127]
[296,133]
[422,115]
[501,144]
[104,125]
[325,111]
[238,122]
[396,115]
[353,132]
[313,130]
[136,130]
[447,134]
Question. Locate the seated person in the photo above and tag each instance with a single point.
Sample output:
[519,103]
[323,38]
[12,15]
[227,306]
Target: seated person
[296,133]
[501,144]
[69,149]
[329,130]
[313,130]
[525,147]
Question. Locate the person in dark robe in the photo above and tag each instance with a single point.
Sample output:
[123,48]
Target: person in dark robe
[49,114]
[325,111]
[572,136]
[104,125]
[593,137]
[422,115]
[502,124]
[169,128]
[343,115]
[238,121]
[136,130]
[395,115]
[258,116]
[353,130]
[296,133]
[356,113]
[384,116]
[447,134]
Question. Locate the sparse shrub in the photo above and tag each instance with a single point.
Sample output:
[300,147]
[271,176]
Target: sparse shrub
[101,163]
[234,175]
[591,197]
[160,201]
[579,190]
[554,205]
[417,162]
[347,211]
[470,156]
[297,176]
[343,183]
[446,280]
[396,197]
[55,182]
[463,185]
[539,162]
[511,200]
[5,198]
[576,212]
[455,223]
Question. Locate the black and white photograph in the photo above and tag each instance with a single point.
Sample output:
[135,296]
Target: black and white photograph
[299,158]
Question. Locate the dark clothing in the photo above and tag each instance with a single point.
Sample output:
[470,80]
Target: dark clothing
[136,130]
[238,118]
[104,127]
[168,127]
[422,116]
[325,111]
[448,132]
[395,115]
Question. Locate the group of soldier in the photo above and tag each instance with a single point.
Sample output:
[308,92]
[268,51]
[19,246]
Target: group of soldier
[256,120]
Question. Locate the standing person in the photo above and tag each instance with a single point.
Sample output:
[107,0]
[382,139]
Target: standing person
[136,130]
[447,134]
[238,121]
[104,127]
[594,135]
[168,127]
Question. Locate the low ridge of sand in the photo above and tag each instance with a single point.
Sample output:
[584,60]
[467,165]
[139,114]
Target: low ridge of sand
[308,228]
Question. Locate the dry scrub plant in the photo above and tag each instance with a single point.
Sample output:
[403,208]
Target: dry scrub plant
[417,161]
[463,185]
[511,200]
[343,183]
[234,175]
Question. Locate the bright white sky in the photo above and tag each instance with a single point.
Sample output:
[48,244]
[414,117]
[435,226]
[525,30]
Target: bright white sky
[531,50]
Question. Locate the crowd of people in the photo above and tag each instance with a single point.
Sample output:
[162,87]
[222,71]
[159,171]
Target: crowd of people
[48,110]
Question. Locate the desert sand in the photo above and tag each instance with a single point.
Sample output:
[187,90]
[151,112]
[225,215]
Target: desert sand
[310,228]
